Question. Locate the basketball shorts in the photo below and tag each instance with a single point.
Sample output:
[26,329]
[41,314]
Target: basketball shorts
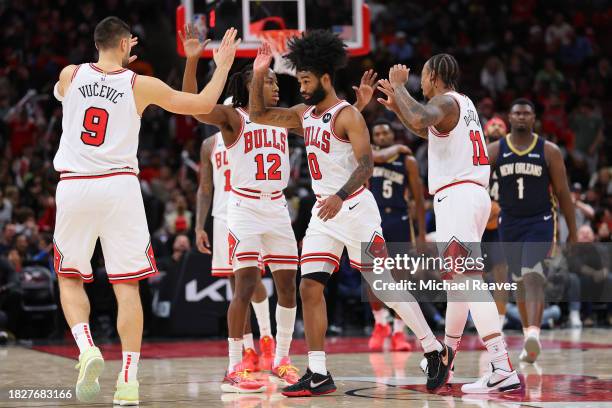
[108,207]
[260,226]
[396,225]
[462,211]
[356,227]
[221,266]
[528,241]
[492,248]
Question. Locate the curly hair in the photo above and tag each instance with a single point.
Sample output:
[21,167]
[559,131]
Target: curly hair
[318,51]
[446,68]
[237,86]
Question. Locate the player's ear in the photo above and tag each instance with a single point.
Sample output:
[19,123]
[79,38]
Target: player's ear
[326,80]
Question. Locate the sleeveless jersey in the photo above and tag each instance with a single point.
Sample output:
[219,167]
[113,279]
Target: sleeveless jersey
[388,183]
[100,122]
[220,176]
[331,160]
[524,182]
[461,154]
[259,158]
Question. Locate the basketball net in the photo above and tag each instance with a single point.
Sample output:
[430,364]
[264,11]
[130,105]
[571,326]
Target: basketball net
[278,39]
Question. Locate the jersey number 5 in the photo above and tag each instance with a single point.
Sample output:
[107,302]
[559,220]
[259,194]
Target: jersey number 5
[480,155]
[94,122]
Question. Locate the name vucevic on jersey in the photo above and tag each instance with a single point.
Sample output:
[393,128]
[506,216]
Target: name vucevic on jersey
[104,91]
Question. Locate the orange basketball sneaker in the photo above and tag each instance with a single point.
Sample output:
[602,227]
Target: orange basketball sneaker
[250,359]
[399,342]
[285,373]
[267,345]
[240,380]
[379,334]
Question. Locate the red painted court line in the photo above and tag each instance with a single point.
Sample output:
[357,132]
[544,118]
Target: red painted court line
[334,345]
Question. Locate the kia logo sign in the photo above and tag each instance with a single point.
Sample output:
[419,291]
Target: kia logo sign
[219,291]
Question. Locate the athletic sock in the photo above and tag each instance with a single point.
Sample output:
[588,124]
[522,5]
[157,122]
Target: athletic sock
[398,325]
[381,316]
[235,353]
[82,336]
[129,371]
[247,341]
[498,353]
[316,362]
[262,314]
[452,341]
[285,322]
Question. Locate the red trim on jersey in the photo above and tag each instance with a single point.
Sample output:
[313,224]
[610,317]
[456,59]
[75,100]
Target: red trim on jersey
[326,110]
[254,197]
[320,257]
[437,133]
[333,121]
[350,196]
[144,275]
[281,259]
[121,173]
[242,125]
[455,183]
[58,260]
[75,275]
[361,266]
[95,68]
[133,81]
[74,72]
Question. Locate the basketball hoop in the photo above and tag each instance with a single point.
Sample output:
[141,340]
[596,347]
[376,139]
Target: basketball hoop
[278,38]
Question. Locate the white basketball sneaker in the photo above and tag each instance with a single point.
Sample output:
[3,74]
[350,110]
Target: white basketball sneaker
[498,380]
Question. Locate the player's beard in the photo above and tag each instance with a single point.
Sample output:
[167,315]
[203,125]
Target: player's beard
[316,96]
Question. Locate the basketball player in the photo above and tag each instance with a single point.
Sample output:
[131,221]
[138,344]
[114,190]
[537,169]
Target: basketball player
[99,195]
[215,171]
[458,176]
[340,162]
[494,130]
[391,180]
[531,175]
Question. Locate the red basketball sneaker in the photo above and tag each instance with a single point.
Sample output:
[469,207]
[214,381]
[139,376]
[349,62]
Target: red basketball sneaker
[267,346]
[285,373]
[380,333]
[250,359]
[399,342]
[241,381]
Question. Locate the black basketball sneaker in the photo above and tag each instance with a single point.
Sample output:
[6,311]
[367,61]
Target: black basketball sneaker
[310,385]
[439,365]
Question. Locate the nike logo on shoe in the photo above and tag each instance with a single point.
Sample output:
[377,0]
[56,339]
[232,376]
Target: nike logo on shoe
[316,384]
[491,385]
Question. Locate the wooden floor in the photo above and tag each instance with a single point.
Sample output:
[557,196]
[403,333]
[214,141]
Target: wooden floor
[575,369]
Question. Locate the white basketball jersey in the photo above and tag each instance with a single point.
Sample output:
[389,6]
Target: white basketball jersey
[259,158]
[100,122]
[331,160]
[461,154]
[221,177]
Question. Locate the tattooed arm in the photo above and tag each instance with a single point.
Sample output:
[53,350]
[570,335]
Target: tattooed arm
[420,116]
[204,195]
[390,103]
[351,124]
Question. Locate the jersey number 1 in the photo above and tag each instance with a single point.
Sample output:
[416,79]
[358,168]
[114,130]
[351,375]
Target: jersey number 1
[94,122]
[480,155]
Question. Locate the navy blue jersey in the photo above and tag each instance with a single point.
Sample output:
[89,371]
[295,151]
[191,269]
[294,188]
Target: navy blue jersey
[524,182]
[388,183]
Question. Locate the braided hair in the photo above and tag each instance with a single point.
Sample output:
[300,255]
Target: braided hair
[446,68]
[237,86]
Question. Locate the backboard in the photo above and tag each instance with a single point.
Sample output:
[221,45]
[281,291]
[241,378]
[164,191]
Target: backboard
[350,19]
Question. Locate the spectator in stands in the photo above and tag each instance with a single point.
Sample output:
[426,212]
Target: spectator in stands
[6,210]
[179,220]
[588,128]
[549,78]
[401,49]
[558,34]
[493,76]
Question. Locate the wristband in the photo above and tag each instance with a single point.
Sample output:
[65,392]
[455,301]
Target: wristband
[342,194]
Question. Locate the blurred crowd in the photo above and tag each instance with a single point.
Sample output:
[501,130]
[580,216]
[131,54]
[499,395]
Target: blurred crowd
[554,53]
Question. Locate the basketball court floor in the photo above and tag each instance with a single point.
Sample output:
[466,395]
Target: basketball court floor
[574,370]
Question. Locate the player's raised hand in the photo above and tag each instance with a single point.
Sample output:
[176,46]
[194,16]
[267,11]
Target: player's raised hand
[224,55]
[202,242]
[133,43]
[366,88]
[329,207]
[264,58]
[385,87]
[190,36]
[398,75]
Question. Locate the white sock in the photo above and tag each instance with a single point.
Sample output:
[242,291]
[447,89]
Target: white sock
[82,335]
[285,322]
[235,353]
[316,362]
[247,341]
[430,343]
[412,315]
[533,331]
[574,315]
[130,366]
[498,353]
[398,325]
[381,316]
[262,313]
[452,341]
